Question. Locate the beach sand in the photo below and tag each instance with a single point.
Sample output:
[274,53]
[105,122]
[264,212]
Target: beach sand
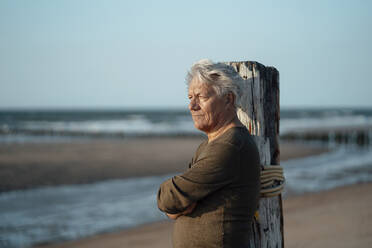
[341,217]
[337,218]
[44,164]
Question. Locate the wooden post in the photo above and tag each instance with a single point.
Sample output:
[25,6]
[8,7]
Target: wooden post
[260,113]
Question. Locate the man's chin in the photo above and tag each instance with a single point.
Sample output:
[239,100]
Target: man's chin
[200,127]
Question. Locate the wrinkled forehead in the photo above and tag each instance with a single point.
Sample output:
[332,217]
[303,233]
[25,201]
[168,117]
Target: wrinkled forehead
[197,86]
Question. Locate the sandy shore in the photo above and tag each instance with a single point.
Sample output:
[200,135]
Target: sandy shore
[31,165]
[337,218]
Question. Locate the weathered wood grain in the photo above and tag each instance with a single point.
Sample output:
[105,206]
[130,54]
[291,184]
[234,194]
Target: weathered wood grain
[259,111]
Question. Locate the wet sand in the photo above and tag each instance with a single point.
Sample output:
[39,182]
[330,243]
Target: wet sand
[28,165]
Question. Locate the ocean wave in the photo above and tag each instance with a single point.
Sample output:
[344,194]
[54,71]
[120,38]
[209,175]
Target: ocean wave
[111,124]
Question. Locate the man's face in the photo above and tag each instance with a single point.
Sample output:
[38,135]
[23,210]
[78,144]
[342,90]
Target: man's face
[207,109]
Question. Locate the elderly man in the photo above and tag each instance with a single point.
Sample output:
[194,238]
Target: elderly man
[214,201]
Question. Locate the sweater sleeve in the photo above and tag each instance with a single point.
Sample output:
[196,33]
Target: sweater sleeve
[215,168]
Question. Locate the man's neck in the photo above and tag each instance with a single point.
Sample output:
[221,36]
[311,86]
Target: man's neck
[233,122]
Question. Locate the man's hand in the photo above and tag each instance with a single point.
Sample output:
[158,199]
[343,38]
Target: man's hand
[173,216]
[187,211]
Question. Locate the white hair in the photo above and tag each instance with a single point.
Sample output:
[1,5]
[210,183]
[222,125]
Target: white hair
[222,77]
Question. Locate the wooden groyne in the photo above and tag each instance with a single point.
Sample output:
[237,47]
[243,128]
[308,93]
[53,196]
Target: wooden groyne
[359,135]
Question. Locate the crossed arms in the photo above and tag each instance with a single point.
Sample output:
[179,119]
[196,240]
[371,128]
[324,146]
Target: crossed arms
[214,169]
[187,211]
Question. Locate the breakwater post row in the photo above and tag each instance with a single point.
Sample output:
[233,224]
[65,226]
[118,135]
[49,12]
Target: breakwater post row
[361,136]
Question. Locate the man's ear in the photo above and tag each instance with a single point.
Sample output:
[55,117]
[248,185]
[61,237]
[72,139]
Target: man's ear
[230,99]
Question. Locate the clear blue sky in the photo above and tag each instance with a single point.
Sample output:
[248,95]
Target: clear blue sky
[136,53]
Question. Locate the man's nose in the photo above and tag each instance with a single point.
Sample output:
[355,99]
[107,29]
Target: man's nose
[193,105]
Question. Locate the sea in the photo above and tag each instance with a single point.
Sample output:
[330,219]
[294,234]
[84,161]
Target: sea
[61,213]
